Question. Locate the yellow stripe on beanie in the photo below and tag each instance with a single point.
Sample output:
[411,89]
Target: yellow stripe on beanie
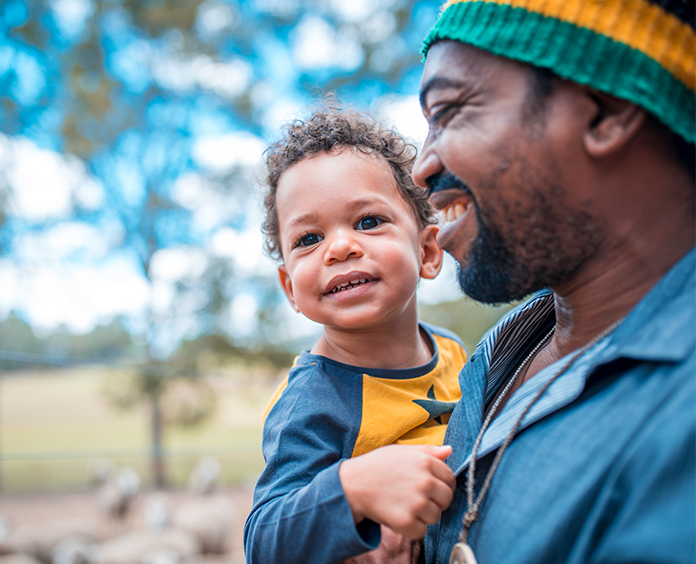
[639,24]
[639,50]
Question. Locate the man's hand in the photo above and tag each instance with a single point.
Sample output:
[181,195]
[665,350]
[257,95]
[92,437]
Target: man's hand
[405,487]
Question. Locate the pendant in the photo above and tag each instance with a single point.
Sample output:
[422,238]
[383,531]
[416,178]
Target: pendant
[462,554]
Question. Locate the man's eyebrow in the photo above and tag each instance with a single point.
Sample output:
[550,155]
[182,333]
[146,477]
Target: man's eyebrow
[440,83]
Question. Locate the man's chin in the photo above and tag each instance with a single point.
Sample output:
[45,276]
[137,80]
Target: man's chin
[486,285]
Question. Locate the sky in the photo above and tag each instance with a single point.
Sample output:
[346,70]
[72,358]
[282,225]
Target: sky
[74,274]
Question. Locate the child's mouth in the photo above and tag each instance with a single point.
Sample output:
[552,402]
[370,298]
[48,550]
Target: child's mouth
[348,281]
[348,285]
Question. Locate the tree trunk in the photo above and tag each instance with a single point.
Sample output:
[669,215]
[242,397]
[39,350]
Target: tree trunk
[157,450]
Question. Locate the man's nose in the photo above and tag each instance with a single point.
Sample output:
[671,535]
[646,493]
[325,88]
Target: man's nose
[341,247]
[427,165]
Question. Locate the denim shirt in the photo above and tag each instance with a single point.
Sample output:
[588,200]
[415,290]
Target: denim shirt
[603,468]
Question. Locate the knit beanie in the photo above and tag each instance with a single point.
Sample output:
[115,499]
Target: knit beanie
[643,51]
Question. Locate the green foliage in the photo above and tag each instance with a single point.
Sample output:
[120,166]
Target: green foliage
[105,343]
[467,318]
[101,96]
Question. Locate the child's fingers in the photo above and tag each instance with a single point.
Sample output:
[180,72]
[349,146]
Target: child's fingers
[438,468]
[444,474]
[415,529]
[442,496]
[430,514]
[440,452]
[443,452]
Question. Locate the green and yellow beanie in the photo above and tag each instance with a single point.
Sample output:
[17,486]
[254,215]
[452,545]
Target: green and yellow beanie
[643,51]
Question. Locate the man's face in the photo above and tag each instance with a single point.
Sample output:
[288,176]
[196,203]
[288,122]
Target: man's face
[495,160]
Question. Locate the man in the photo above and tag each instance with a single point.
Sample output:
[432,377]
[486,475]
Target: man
[561,149]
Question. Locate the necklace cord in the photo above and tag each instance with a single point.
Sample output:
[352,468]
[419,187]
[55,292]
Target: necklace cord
[472,513]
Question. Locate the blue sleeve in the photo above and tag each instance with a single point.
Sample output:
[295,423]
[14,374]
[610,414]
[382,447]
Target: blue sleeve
[300,512]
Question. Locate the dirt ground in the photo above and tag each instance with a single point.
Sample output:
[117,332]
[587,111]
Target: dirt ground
[39,512]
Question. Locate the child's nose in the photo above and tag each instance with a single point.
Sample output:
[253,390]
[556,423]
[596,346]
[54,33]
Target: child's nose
[341,247]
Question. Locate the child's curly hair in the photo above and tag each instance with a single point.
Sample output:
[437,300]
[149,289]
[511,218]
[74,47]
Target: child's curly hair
[334,128]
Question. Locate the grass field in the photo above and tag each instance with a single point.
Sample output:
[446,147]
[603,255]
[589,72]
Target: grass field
[54,423]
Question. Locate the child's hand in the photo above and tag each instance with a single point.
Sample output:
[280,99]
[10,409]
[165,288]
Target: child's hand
[405,487]
[393,549]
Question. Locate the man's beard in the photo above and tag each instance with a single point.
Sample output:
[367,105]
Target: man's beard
[544,252]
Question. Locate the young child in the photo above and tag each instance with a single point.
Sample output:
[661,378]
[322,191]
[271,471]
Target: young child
[354,235]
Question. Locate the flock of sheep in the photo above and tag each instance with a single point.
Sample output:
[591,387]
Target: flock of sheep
[187,532]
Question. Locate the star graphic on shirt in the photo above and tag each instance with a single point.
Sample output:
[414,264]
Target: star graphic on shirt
[434,407]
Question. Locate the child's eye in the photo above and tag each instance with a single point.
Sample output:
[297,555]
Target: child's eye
[308,240]
[368,223]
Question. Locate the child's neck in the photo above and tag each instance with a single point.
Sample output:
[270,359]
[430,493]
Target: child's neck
[404,346]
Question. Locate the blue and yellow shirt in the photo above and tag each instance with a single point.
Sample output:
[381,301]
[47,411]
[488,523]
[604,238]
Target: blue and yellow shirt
[326,411]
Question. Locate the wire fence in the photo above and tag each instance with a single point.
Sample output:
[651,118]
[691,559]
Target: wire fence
[56,422]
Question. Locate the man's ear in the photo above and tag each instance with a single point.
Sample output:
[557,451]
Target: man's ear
[431,253]
[286,284]
[614,124]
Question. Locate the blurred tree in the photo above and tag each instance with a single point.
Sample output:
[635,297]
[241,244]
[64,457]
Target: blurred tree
[132,88]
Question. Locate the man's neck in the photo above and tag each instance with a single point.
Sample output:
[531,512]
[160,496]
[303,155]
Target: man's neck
[608,290]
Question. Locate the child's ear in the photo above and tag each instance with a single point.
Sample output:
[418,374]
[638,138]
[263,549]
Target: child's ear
[286,284]
[431,253]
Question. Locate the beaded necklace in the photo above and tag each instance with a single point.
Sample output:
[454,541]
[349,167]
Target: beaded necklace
[462,552]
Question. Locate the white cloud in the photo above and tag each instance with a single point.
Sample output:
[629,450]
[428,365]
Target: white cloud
[242,317]
[177,72]
[245,249]
[211,208]
[162,296]
[280,112]
[228,151]
[64,240]
[44,184]
[213,17]
[71,15]
[354,11]
[378,27]
[78,296]
[316,44]
[178,263]
[405,113]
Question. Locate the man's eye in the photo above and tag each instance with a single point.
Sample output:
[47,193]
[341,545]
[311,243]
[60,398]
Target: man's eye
[308,240]
[368,223]
[441,116]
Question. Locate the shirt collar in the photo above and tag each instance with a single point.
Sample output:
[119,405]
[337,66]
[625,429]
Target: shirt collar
[662,327]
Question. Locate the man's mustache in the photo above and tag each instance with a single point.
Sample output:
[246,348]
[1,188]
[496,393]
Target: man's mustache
[445,181]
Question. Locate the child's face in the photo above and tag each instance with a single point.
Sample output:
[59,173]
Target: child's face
[352,246]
